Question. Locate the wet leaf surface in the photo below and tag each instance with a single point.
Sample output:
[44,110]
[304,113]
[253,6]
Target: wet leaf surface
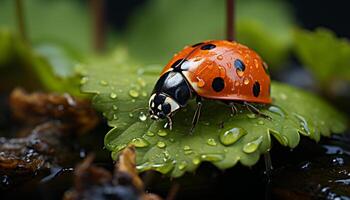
[121,94]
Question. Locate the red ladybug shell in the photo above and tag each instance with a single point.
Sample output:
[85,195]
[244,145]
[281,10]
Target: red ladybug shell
[224,70]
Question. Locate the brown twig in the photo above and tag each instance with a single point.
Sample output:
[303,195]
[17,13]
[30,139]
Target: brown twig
[20,20]
[98,17]
[230,20]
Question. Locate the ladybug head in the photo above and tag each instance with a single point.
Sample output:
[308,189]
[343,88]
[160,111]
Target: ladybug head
[161,106]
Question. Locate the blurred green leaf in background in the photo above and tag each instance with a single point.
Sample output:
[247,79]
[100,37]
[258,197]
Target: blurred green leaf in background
[63,21]
[323,53]
[162,28]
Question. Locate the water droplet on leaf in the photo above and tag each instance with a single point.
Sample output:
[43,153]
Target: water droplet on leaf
[139,142]
[103,82]
[231,136]
[134,93]
[149,133]
[162,133]
[211,142]
[161,144]
[277,110]
[113,95]
[196,160]
[182,165]
[142,117]
[252,146]
[115,107]
[212,157]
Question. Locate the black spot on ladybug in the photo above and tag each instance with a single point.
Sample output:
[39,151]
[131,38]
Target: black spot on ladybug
[208,46]
[239,65]
[178,63]
[218,84]
[166,108]
[256,89]
[266,68]
[196,45]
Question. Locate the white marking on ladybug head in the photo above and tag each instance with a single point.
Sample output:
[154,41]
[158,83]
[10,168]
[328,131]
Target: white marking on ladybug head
[162,106]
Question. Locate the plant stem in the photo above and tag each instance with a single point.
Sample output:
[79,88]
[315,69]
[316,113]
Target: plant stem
[98,17]
[230,20]
[20,20]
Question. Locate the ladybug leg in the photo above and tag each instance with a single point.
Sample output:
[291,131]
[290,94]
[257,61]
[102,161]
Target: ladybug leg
[197,113]
[169,124]
[234,109]
[255,110]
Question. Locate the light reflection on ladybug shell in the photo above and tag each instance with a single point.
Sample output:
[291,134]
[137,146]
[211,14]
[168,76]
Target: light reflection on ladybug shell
[223,70]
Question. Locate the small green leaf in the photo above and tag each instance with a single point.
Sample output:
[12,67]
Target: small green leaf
[218,138]
[323,53]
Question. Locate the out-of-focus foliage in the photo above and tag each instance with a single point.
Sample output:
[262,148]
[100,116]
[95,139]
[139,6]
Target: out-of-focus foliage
[121,90]
[162,28]
[63,21]
[326,55]
[49,66]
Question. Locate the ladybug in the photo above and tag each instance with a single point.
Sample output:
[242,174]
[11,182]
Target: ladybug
[217,70]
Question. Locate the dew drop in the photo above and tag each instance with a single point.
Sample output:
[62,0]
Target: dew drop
[115,107]
[161,144]
[236,83]
[246,81]
[231,136]
[115,117]
[251,116]
[239,73]
[211,142]
[212,157]
[131,115]
[200,82]
[142,117]
[196,160]
[162,133]
[187,148]
[113,95]
[222,72]
[283,96]
[303,124]
[252,146]
[103,82]
[150,133]
[144,94]
[84,80]
[219,57]
[182,165]
[261,122]
[133,93]
[139,142]
[188,152]
[141,82]
[277,110]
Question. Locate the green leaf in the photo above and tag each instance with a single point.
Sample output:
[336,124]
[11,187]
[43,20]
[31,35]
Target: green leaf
[65,21]
[121,93]
[50,66]
[326,55]
[161,28]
